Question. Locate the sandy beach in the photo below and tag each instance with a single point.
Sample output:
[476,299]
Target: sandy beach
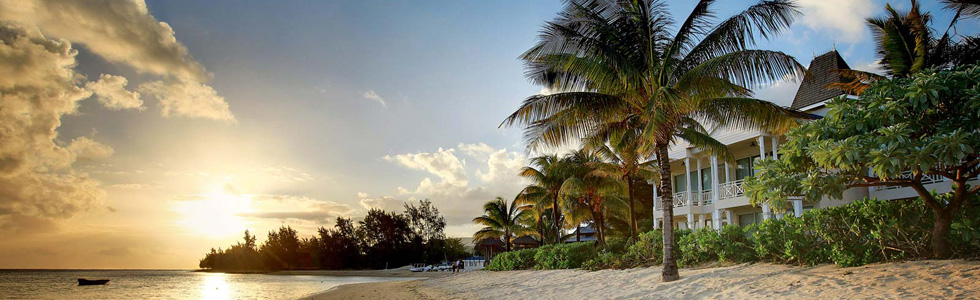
[942,279]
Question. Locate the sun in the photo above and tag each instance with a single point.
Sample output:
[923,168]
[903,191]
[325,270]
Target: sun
[216,214]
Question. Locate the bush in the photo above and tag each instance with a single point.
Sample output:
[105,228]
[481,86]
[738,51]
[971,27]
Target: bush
[513,260]
[648,249]
[698,247]
[564,256]
[735,245]
[787,240]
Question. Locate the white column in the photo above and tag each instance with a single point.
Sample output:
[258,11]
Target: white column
[762,147]
[716,219]
[700,183]
[730,217]
[766,213]
[687,169]
[690,214]
[701,220]
[714,179]
[727,170]
[655,204]
[775,146]
[798,208]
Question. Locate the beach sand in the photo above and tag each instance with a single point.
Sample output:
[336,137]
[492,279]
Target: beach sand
[936,279]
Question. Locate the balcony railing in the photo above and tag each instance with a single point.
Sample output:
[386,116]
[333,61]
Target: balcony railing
[680,199]
[731,189]
[702,198]
[926,179]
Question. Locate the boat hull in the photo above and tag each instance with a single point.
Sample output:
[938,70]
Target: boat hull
[83,281]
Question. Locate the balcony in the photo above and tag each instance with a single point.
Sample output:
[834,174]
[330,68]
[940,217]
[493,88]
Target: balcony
[731,189]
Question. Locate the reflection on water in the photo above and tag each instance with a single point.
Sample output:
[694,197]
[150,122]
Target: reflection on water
[215,288]
[54,284]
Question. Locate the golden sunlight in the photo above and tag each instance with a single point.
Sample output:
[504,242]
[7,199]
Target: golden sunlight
[216,214]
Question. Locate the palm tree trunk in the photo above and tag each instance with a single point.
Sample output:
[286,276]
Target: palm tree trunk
[667,203]
[554,215]
[629,188]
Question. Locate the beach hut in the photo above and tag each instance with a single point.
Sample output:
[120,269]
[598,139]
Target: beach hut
[526,242]
[582,234]
[489,247]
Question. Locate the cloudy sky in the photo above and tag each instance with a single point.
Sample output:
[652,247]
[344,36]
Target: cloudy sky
[140,134]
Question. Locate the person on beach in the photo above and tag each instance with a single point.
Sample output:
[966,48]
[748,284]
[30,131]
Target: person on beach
[461,265]
[455,266]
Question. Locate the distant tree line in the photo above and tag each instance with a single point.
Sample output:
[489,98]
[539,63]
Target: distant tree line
[381,240]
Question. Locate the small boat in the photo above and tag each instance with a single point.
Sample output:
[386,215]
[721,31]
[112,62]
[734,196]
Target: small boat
[83,281]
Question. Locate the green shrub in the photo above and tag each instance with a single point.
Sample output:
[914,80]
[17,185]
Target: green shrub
[607,260]
[735,245]
[698,247]
[788,240]
[648,249]
[564,256]
[513,260]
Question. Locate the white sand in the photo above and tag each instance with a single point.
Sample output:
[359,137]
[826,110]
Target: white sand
[947,279]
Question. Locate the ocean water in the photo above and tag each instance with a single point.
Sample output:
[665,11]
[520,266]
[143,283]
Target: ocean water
[134,284]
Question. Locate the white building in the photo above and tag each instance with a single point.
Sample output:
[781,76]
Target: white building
[716,197]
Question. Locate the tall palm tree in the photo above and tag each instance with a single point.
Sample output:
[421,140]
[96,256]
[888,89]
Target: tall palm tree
[620,62]
[502,221]
[547,174]
[624,157]
[585,194]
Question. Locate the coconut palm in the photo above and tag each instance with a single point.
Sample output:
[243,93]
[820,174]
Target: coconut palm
[586,195]
[547,174]
[624,157]
[502,221]
[620,62]
[906,45]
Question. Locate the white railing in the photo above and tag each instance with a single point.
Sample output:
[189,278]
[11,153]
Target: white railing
[926,179]
[703,198]
[731,189]
[680,199]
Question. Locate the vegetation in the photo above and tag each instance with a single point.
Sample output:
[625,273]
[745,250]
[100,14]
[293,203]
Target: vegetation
[617,69]
[503,221]
[513,260]
[859,233]
[897,134]
[547,174]
[381,240]
[564,256]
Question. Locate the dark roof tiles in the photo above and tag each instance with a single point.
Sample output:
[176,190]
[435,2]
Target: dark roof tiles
[821,72]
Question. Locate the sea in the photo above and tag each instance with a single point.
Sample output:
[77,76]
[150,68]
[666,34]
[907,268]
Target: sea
[182,285]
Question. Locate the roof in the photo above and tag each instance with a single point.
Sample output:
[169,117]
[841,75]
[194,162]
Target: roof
[584,238]
[526,240]
[585,230]
[821,72]
[489,242]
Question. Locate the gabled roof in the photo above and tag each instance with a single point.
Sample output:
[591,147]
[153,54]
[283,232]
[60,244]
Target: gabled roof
[814,89]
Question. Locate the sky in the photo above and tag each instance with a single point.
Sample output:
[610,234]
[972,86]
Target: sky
[141,134]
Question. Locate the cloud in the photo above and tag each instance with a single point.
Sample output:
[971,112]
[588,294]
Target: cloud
[292,207]
[442,163]
[386,203]
[111,91]
[125,32]
[841,18]
[371,95]
[362,195]
[188,99]
[120,31]
[86,149]
[38,88]
[458,199]
[130,186]
[116,251]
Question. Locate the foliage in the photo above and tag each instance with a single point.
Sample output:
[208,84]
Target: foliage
[564,256]
[513,260]
[382,239]
[730,244]
[503,221]
[901,130]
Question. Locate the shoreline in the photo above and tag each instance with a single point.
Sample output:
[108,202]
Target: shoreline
[395,273]
[927,279]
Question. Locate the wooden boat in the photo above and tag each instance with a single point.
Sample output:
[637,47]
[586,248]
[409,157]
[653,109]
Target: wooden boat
[83,281]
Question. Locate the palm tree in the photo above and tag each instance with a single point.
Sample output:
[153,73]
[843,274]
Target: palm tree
[546,173]
[907,45]
[623,157]
[585,193]
[617,62]
[502,221]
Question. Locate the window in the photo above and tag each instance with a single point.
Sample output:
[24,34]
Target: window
[749,219]
[743,168]
[680,183]
[706,179]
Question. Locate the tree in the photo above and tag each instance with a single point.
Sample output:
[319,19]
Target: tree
[547,174]
[898,133]
[623,157]
[906,44]
[502,221]
[385,236]
[584,195]
[281,249]
[425,220]
[618,63]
